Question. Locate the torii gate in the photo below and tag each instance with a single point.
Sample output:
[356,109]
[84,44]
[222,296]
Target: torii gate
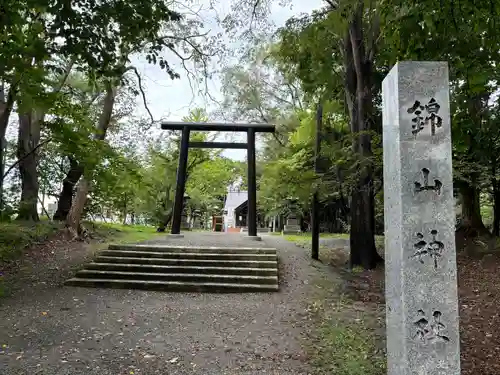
[186,128]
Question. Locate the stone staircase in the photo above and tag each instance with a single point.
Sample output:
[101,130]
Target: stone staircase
[259,230]
[182,268]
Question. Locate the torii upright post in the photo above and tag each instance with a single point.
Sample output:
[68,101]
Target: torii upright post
[181,182]
[252,184]
[315,203]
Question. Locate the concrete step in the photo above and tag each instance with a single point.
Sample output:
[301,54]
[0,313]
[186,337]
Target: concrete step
[182,268]
[131,267]
[172,286]
[189,262]
[259,230]
[194,249]
[207,278]
[185,255]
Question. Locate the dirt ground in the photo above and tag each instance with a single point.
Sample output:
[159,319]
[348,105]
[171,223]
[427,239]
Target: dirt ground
[479,301]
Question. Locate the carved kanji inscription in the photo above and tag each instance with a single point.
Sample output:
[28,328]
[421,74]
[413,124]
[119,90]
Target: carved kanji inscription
[430,330]
[424,185]
[425,115]
[432,249]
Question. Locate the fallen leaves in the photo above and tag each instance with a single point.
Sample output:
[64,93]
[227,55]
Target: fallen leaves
[479,298]
[479,295]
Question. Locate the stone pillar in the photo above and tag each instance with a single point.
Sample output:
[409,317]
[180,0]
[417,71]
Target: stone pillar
[420,256]
[185,222]
[292,224]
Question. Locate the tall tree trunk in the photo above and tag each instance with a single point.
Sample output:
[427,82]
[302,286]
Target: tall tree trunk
[472,222]
[164,223]
[73,219]
[28,140]
[75,214]
[358,70]
[6,105]
[66,195]
[42,203]
[30,121]
[496,207]
[125,211]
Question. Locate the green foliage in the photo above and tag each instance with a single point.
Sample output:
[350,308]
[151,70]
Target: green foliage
[208,182]
[34,30]
[16,237]
[141,188]
[56,63]
[309,50]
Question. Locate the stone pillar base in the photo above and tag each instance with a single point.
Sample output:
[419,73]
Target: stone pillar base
[291,229]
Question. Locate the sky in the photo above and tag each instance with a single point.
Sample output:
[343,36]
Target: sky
[172,100]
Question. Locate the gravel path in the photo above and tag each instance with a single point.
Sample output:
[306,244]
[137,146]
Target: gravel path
[50,329]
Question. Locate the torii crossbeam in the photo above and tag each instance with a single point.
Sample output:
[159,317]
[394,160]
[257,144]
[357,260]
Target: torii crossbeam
[186,128]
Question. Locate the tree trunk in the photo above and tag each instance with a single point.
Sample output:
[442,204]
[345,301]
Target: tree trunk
[125,210]
[472,223]
[66,195]
[358,70]
[44,210]
[75,214]
[30,121]
[74,217]
[163,225]
[496,207]
[28,140]
[6,105]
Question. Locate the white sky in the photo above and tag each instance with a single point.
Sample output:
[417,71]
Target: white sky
[172,100]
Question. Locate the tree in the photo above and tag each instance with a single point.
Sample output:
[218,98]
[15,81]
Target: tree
[155,37]
[45,30]
[208,182]
[466,36]
[332,53]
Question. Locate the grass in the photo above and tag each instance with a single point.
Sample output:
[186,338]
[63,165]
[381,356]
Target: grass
[348,349]
[304,239]
[343,339]
[15,237]
[120,233]
[342,342]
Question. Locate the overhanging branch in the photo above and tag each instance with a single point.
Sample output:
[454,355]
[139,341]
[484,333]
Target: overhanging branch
[25,156]
[143,94]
